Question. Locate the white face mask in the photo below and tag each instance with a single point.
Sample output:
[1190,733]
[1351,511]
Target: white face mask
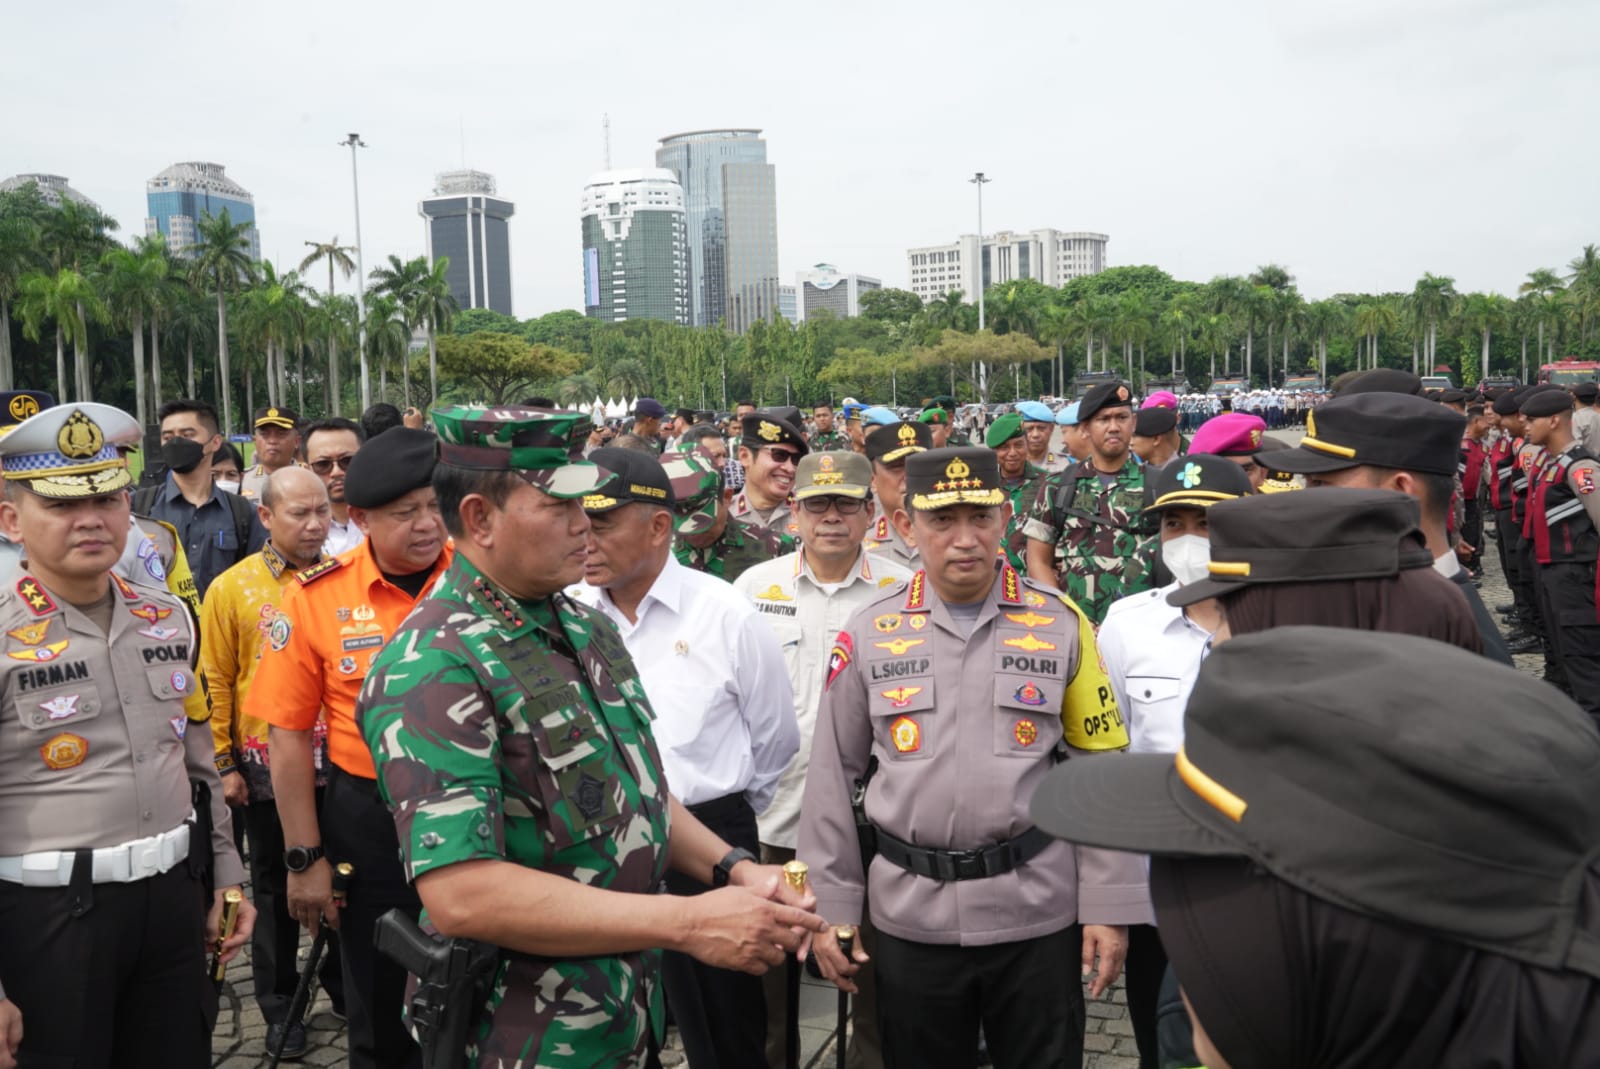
[1186,558]
[230,485]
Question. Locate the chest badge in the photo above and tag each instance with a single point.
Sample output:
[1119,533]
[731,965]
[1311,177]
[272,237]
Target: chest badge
[1030,642]
[180,724]
[773,593]
[151,614]
[347,665]
[61,706]
[1034,598]
[159,633]
[39,654]
[1029,694]
[900,697]
[917,622]
[64,751]
[898,646]
[888,623]
[681,648]
[906,734]
[1026,733]
[32,634]
[1030,619]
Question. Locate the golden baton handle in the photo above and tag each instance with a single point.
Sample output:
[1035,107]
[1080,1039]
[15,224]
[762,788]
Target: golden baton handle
[794,873]
[231,900]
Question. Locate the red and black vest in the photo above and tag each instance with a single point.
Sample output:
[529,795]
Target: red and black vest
[1557,522]
[1504,459]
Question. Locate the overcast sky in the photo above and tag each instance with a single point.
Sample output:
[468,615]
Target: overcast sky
[1358,142]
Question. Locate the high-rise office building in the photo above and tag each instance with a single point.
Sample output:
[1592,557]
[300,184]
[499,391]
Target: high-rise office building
[786,304]
[53,189]
[635,247]
[1054,257]
[180,198]
[466,221]
[731,210]
[824,289]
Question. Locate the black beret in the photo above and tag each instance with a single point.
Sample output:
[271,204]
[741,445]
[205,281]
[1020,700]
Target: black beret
[1550,402]
[1111,394]
[761,429]
[1154,422]
[1452,397]
[1383,380]
[1586,392]
[389,466]
[1506,404]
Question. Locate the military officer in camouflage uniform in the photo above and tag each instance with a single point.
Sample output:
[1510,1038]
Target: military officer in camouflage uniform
[888,446]
[1085,529]
[826,436]
[950,698]
[513,743]
[707,538]
[1019,477]
[104,923]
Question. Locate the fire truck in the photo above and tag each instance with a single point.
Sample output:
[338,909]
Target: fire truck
[1570,372]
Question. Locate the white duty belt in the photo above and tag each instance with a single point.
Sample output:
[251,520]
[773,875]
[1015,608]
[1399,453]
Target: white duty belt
[138,859]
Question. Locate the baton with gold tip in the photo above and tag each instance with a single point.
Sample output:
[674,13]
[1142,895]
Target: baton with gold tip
[231,901]
[794,874]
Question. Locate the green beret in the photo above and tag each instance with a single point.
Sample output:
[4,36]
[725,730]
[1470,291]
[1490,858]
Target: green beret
[1004,429]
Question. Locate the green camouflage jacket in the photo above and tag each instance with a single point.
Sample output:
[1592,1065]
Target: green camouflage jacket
[1021,494]
[741,546]
[1097,532]
[519,731]
[822,441]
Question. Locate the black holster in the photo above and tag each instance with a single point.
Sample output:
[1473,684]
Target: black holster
[200,861]
[453,981]
[866,831]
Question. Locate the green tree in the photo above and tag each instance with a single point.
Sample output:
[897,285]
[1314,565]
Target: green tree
[135,285]
[1178,321]
[76,235]
[402,280]
[1583,289]
[65,298]
[501,367]
[478,320]
[1483,314]
[1374,317]
[19,242]
[222,262]
[388,338]
[436,306]
[338,257]
[1324,319]
[890,305]
[1542,288]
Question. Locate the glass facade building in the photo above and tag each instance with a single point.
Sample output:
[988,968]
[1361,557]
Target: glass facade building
[731,214]
[178,199]
[824,289]
[635,247]
[465,221]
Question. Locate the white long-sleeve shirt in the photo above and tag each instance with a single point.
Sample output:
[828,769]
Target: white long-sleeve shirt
[716,677]
[1152,654]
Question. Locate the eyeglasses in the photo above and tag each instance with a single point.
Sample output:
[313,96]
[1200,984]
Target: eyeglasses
[324,466]
[784,456]
[847,506]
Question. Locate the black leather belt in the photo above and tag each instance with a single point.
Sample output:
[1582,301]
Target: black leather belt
[975,864]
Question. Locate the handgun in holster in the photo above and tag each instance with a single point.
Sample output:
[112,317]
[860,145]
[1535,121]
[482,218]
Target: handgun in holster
[453,981]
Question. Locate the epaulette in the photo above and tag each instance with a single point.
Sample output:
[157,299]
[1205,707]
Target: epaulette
[317,571]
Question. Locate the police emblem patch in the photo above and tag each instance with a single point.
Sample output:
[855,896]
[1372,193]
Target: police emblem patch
[61,706]
[1029,694]
[64,751]
[1034,598]
[279,633]
[180,682]
[589,796]
[1026,733]
[889,623]
[906,734]
[839,657]
[347,665]
[180,724]
[917,622]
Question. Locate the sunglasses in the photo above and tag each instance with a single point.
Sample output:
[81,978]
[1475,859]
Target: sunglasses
[324,466]
[783,456]
[847,506]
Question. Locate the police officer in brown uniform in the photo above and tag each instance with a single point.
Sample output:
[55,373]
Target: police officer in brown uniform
[888,446]
[103,924]
[950,697]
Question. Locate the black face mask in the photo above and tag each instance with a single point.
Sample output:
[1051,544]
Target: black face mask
[182,455]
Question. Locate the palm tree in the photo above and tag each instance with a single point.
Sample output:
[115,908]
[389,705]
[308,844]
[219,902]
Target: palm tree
[19,254]
[1583,288]
[388,336]
[1216,332]
[76,235]
[190,320]
[1484,313]
[436,306]
[1372,318]
[1134,322]
[1273,276]
[402,281]
[1542,285]
[338,256]
[1322,319]
[628,377]
[223,261]
[332,317]
[135,285]
[1058,325]
[67,298]
[1433,298]
[1179,319]
[1291,309]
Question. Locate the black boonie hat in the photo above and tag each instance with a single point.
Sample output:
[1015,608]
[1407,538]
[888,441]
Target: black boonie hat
[963,475]
[1388,430]
[890,442]
[1154,422]
[1341,762]
[1106,395]
[1383,380]
[1197,481]
[763,428]
[636,477]
[389,466]
[1325,534]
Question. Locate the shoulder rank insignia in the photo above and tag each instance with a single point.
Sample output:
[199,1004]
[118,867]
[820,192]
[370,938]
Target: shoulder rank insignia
[124,588]
[1010,586]
[917,596]
[34,597]
[317,571]
[31,634]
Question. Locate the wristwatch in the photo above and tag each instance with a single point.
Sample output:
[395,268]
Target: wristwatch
[724,870]
[300,858]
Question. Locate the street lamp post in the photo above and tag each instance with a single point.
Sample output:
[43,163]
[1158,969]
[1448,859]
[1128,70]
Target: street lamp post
[983,365]
[354,142]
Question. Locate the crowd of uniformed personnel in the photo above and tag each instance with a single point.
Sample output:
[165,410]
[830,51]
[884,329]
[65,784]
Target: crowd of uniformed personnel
[856,690]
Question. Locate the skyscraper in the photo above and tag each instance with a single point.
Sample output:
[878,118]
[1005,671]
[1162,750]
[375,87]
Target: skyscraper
[635,250]
[1054,257]
[731,209]
[824,289]
[467,223]
[181,197]
[53,189]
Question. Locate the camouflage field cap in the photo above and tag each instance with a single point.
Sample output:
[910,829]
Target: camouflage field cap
[697,484]
[965,475]
[69,451]
[544,447]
